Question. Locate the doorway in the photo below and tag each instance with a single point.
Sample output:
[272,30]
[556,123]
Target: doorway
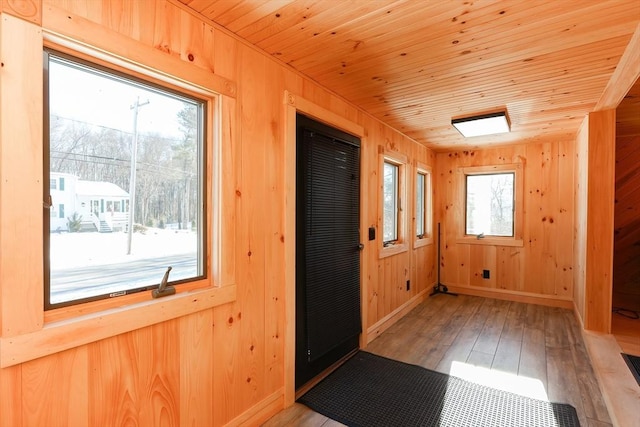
[328,321]
[625,319]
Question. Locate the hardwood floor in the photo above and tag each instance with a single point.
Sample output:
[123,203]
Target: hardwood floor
[528,349]
[626,329]
[627,333]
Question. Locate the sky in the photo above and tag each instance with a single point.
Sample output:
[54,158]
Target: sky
[73,95]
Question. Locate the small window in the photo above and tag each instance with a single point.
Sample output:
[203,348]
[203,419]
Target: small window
[391,203]
[421,205]
[490,204]
[423,212]
[121,142]
[392,213]
[53,184]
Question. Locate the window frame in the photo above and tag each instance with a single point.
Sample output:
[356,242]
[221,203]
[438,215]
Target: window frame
[468,178]
[166,87]
[518,205]
[28,332]
[427,236]
[396,202]
[402,204]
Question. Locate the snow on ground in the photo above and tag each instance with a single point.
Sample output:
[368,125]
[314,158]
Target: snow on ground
[69,250]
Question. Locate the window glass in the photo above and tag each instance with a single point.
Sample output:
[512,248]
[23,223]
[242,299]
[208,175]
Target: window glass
[421,180]
[390,199]
[130,155]
[489,204]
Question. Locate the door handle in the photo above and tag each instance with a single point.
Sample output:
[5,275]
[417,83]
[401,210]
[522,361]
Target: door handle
[361,246]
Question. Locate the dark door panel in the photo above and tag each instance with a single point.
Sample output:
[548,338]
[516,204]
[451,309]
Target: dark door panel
[328,259]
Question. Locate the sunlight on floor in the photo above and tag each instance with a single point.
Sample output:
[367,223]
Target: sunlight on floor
[524,386]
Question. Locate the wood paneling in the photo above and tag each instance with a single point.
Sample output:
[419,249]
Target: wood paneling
[196,356]
[20,175]
[600,221]
[581,178]
[30,10]
[65,376]
[11,396]
[192,362]
[626,268]
[625,76]
[213,365]
[628,112]
[414,65]
[543,265]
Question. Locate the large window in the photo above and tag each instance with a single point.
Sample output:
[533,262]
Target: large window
[490,204]
[493,200]
[130,157]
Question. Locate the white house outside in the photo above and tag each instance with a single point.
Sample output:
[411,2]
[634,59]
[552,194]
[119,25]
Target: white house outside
[103,206]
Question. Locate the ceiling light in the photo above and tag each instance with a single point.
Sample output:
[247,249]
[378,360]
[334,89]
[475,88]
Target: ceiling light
[485,124]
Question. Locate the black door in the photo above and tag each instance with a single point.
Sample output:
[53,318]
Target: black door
[328,321]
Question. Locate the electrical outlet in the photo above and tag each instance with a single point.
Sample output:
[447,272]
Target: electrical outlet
[372,233]
[408,285]
[485,274]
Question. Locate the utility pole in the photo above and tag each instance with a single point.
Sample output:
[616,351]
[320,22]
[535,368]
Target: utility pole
[132,179]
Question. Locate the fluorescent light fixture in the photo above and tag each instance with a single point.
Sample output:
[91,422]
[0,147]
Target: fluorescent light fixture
[485,124]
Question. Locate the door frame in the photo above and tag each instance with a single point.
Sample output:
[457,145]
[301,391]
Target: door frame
[294,104]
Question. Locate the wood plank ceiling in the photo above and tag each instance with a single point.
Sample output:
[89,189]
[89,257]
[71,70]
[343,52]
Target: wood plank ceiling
[416,64]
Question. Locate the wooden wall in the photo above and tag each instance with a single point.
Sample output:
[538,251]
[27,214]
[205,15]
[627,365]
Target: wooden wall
[580,234]
[225,364]
[386,277]
[213,366]
[626,264]
[541,270]
[595,195]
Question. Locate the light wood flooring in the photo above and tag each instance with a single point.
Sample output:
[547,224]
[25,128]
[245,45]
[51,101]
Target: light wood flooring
[529,349]
[625,329]
[619,388]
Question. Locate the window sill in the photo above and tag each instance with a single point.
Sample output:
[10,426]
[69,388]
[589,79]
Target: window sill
[70,333]
[490,241]
[425,241]
[392,250]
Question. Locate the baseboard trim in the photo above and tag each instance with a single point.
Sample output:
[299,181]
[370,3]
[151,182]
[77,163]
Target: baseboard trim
[549,301]
[617,385]
[261,411]
[387,321]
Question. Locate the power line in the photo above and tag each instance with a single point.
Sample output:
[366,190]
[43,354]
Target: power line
[124,132]
[153,168]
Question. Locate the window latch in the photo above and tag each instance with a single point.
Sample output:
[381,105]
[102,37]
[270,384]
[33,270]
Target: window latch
[164,290]
[480,236]
[47,204]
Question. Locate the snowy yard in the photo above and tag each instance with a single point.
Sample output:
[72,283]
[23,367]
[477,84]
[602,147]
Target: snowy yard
[69,250]
[83,265]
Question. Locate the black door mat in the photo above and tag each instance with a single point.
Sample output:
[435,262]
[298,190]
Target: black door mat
[370,391]
[633,362]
